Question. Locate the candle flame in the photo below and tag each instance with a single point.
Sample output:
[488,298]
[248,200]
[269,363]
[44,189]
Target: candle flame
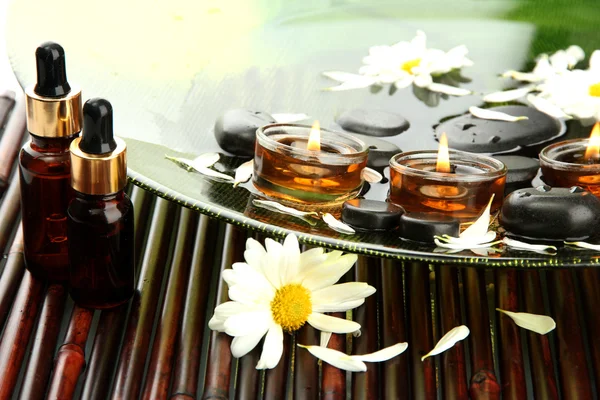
[314,140]
[443,159]
[593,149]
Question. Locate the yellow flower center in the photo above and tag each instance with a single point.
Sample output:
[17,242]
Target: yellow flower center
[291,306]
[595,90]
[408,66]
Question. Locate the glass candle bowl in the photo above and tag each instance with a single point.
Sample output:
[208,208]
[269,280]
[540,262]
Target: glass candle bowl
[462,193]
[284,169]
[564,165]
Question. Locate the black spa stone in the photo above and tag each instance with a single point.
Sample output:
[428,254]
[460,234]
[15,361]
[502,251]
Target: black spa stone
[373,122]
[380,151]
[422,227]
[469,133]
[371,214]
[521,171]
[553,214]
[235,130]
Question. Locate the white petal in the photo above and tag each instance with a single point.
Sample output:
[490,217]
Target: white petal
[383,354]
[280,208]
[324,339]
[328,323]
[480,227]
[287,118]
[595,61]
[290,260]
[575,54]
[449,90]
[342,293]
[370,175]
[507,95]
[182,162]
[205,160]
[461,246]
[541,324]
[244,172]
[522,76]
[547,107]
[468,241]
[450,339]
[423,80]
[336,358]
[526,246]
[358,83]
[405,82]
[495,115]
[584,245]
[248,322]
[213,174]
[338,307]
[253,279]
[560,60]
[245,294]
[230,277]
[342,77]
[328,274]
[242,345]
[337,225]
[272,348]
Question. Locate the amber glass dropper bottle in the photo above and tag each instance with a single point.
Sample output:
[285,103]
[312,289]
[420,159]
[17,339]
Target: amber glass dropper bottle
[100,216]
[53,120]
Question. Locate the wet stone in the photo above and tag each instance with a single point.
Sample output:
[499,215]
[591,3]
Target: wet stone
[520,169]
[469,133]
[373,122]
[380,151]
[371,214]
[422,227]
[553,214]
[235,130]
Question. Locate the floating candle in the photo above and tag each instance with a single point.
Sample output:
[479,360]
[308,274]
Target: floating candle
[455,183]
[309,165]
[573,163]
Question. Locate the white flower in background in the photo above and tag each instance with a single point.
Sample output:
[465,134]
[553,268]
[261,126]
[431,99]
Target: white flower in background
[403,64]
[280,289]
[547,67]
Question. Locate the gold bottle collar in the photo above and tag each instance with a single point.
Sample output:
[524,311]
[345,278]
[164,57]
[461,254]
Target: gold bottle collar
[98,174]
[54,117]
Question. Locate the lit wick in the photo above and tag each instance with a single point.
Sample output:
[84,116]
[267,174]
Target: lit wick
[592,153]
[314,139]
[443,159]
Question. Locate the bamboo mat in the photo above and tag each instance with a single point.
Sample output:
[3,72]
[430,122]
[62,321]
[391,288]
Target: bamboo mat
[159,347]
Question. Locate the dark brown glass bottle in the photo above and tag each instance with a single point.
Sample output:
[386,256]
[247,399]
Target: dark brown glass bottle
[100,217]
[54,121]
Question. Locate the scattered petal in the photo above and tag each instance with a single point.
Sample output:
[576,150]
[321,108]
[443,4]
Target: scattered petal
[464,246]
[480,227]
[450,339]
[336,358]
[184,163]
[449,90]
[213,174]
[475,240]
[325,336]
[371,176]
[508,95]
[541,324]
[383,354]
[584,245]
[341,76]
[243,173]
[287,118]
[522,76]
[328,323]
[547,107]
[205,160]
[542,248]
[280,208]
[356,82]
[495,115]
[337,225]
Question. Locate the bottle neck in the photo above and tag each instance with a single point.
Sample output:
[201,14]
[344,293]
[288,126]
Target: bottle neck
[52,145]
[118,196]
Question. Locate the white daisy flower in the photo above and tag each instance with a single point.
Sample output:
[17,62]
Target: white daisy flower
[403,64]
[549,66]
[280,289]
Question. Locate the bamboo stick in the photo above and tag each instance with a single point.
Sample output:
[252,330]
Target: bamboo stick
[306,366]
[189,342]
[130,369]
[589,281]
[483,384]
[7,104]
[454,383]
[276,379]
[10,142]
[44,343]
[158,377]
[365,385]
[423,384]
[70,358]
[542,368]
[511,357]
[12,275]
[333,381]
[248,377]
[574,376]
[17,332]
[9,212]
[218,371]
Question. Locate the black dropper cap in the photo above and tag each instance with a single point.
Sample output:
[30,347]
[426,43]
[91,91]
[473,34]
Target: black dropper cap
[51,71]
[97,136]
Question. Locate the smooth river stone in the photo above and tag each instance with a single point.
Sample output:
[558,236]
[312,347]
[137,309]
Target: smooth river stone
[469,133]
[371,214]
[373,122]
[235,130]
[521,171]
[380,151]
[422,227]
[546,213]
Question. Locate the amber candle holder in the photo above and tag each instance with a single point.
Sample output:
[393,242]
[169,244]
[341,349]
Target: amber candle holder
[286,170]
[564,164]
[462,193]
